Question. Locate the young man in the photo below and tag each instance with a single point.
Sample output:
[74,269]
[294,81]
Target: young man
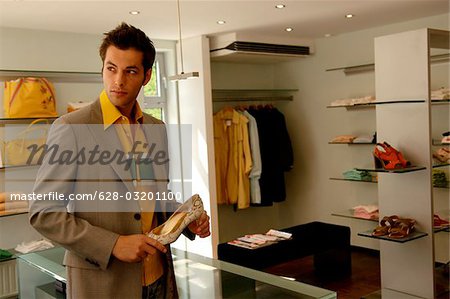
[108,253]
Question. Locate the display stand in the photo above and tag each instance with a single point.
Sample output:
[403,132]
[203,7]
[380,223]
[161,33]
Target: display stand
[403,75]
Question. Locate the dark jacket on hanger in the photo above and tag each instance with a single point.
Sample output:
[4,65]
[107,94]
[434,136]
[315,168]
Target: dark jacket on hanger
[276,154]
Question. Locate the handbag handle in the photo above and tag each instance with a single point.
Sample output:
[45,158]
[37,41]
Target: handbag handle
[30,128]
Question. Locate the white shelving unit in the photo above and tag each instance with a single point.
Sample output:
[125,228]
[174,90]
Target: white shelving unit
[403,74]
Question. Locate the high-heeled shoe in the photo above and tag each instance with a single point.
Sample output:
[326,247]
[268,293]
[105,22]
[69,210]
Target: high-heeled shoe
[169,231]
[388,157]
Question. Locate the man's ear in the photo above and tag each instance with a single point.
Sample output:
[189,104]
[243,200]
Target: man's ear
[148,75]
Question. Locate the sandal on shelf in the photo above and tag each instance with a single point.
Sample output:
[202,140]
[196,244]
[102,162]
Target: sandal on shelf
[386,224]
[438,222]
[403,227]
[387,157]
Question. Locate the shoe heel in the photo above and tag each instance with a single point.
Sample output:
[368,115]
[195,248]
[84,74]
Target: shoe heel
[378,162]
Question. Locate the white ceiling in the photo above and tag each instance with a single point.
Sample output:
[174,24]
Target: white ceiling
[309,19]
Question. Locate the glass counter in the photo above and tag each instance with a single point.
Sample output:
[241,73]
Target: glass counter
[197,277]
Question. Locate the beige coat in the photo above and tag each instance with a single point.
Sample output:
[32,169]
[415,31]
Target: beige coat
[90,230]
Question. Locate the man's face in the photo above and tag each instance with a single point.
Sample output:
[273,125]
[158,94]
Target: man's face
[123,76]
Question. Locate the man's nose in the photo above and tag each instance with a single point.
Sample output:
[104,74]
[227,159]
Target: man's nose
[120,79]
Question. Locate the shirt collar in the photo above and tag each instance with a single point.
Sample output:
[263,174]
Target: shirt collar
[111,114]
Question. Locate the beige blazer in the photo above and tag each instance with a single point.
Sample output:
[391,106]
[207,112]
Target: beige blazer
[89,230]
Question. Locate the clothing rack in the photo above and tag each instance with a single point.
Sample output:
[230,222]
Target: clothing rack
[254,95]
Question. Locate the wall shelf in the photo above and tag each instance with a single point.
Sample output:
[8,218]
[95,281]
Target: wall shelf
[412,236]
[55,76]
[13,120]
[437,142]
[351,143]
[19,166]
[13,213]
[350,214]
[350,180]
[370,67]
[399,170]
[245,95]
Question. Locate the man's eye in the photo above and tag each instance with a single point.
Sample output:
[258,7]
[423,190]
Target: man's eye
[110,68]
[132,72]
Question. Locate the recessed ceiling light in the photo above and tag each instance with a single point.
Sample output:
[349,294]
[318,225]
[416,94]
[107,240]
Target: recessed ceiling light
[221,22]
[289,29]
[349,16]
[327,35]
[134,12]
[280,6]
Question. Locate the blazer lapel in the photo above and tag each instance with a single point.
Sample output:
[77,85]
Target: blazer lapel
[109,141]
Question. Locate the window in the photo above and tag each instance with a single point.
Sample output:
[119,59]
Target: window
[155,92]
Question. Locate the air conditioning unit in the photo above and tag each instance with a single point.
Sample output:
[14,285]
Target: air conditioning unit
[250,48]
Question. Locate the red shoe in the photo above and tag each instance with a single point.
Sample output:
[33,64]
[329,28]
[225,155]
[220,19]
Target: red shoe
[388,157]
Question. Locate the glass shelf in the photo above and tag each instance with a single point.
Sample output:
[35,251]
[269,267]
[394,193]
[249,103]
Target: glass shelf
[370,67]
[18,166]
[441,165]
[350,180]
[13,212]
[437,142]
[375,182]
[412,236]
[56,76]
[442,229]
[350,214]
[12,120]
[439,102]
[351,143]
[373,104]
[399,170]
[245,95]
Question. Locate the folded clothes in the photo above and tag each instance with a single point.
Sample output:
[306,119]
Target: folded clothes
[440,94]
[5,254]
[34,246]
[13,205]
[357,175]
[439,178]
[366,211]
[343,139]
[353,101]
[445,140]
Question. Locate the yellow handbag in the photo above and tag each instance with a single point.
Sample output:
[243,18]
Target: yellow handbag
[29,97]
[16,150]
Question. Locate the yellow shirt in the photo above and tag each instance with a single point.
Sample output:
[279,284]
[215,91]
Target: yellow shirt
[233,158]
[153,265]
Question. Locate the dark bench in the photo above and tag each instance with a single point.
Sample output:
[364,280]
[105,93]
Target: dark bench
[328,243]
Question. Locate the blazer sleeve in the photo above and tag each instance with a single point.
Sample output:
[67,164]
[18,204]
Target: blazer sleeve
[51,218]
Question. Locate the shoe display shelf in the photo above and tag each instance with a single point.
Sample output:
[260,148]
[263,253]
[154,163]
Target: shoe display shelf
[403,78]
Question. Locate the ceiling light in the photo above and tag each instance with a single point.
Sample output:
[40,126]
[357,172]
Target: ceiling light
[134,12]
[289,29]
[280,6]
[327,35]
[182,75]
[221,22]
[349,16]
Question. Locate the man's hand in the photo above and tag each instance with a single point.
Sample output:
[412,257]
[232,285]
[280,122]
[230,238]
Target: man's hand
[134,248]
[200,227]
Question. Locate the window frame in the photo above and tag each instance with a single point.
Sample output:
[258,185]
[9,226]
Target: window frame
[159,101]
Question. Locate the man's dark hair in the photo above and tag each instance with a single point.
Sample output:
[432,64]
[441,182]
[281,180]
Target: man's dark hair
[125,37]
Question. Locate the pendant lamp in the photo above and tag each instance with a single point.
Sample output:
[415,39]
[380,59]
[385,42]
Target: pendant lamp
[182,75]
